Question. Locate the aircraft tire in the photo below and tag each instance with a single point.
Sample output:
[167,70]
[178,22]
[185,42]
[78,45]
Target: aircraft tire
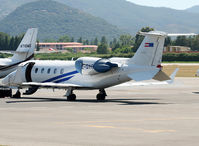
[71,97]
[101,97]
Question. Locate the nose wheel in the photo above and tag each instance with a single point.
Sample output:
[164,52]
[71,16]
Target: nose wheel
[101,96]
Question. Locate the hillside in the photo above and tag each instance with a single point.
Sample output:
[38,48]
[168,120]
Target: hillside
[194,9]
[132,17]
[54,20]
[7,6]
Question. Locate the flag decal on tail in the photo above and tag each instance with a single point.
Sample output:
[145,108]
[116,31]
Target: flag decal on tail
[149,44]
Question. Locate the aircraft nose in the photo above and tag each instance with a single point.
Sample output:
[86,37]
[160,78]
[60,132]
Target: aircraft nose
[5,81]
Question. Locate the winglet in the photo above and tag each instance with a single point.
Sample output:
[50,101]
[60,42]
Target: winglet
[172,76]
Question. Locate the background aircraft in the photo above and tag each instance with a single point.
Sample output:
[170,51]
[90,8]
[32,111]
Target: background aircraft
[88,73]
[24,52]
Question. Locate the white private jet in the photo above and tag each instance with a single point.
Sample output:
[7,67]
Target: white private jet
[24,52]
[89,73]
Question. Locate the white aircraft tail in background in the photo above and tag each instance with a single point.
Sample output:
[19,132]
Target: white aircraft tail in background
[24,52]
[88,73]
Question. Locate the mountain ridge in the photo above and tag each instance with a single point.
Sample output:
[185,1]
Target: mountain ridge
[132,17]
[194,9]
[54,20]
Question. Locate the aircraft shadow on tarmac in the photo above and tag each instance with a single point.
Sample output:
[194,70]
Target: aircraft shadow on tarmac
[122,101]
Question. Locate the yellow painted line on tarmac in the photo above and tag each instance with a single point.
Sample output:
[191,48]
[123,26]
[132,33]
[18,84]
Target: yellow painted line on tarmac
[159,131]
[98,126]
[135,129]
[127,121]
[75,123]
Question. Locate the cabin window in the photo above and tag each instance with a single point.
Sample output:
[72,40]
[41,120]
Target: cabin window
[55,71]
[36,70]
[48,71]
[42,70]
[62,71]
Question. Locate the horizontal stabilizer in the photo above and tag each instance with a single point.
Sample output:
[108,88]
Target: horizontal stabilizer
[172,76]
[140,76]
[161,76]
[181,34]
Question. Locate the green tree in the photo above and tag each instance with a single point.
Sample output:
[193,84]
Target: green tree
[115,44]
[80,40]
[181,41]
[87,42]
[168,41]
[64,39]
[103,40]
[126,40]
[72,39]
[37,47]
[11,44]
[195,43]
[6,43]
[102,49]
[96,41]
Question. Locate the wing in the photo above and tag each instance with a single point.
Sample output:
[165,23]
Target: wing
[54,85]
[7,52]
[145,75]
[161,77]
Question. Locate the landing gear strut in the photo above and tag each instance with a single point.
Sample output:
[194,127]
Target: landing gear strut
[17,95]
[70,95]
[101,96]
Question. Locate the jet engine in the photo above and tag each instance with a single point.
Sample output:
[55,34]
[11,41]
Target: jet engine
[92,65]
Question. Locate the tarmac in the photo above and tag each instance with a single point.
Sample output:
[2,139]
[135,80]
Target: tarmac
[154,115]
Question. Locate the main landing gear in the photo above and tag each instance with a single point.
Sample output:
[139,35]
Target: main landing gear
[17,94]
[5,92]
[70,95]
[101,96]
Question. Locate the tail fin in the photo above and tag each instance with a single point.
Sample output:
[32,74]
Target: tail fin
[25,50]
[150,51]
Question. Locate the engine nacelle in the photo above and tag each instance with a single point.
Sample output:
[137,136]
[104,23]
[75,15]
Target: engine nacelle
[92,65]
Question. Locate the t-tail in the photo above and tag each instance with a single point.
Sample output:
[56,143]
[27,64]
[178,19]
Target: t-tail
[150,51]
[25,50]
[149,56]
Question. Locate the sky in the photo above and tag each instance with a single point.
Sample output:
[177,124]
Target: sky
[175,4]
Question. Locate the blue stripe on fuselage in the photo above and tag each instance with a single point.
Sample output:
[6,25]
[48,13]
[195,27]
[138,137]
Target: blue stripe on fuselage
[61,76]
[64,79]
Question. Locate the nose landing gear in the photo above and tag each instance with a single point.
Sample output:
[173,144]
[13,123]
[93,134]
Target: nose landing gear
[101,96]
[70,95]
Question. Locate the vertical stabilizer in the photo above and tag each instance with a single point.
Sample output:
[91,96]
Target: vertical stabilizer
[25,50]
[150,51]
